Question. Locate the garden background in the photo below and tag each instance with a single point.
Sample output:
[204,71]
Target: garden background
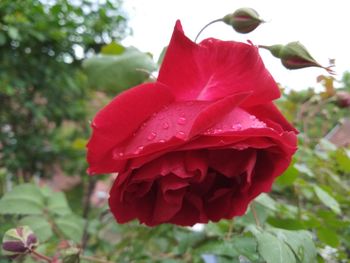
[60,62]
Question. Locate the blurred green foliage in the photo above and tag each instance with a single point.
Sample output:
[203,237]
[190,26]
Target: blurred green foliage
[46,96]
[43,91]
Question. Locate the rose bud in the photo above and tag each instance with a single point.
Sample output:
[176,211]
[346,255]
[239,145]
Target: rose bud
[343,99]
[18,241]
[199,143]
[294,56]
[243,20]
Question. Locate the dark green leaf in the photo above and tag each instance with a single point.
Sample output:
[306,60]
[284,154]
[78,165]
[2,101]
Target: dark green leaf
[328,237]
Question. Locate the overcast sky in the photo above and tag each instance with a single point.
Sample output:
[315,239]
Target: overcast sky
[322,26]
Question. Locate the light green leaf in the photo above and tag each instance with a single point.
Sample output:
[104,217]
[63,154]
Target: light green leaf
[24,199]
[71,226]
[39,225]
[300,242]
[274,250]
[112,49]
[343,160]
[302,168]
[57,204]
[266,201]
[114,73]
[327,199]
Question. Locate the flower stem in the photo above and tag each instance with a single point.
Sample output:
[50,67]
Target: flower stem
[255,215]
[41,256]
[210,23]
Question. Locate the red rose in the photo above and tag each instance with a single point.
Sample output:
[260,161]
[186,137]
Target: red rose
[199,143]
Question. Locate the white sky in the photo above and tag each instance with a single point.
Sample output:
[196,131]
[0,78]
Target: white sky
[322,26]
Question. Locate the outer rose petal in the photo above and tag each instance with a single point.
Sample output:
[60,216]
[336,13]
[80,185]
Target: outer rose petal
[214,69]
[175,125]
[119,119]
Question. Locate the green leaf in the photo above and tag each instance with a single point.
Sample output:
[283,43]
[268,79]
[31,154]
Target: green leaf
[274,250]
[39,225]
[115,73]
[2,38]
[24,199]
[286,223]
[13,33]
[302,168]
[327,199]
[71,226]
[57,204]
[112,49]
[343,160]
[267,201]
[300,242]
[288,177]
[328,237]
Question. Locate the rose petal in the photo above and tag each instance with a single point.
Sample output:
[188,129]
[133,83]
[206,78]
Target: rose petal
[176,124]
[214,69]
[119,119]
[269,113]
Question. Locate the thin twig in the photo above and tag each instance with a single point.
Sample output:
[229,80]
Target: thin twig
[86,209]
[41,256]
[255,215]
[210,23]
[94,259]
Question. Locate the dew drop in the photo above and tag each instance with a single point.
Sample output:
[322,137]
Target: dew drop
[117,155]
[161,141]
[253,118]
[139,149]
[152,136]
[93,124]
[237,127]
[165,125]
[181,120]
[180,134]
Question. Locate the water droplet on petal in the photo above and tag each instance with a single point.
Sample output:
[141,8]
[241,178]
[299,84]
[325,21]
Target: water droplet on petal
[180,134]
[152,136]
[161,141]
[237,127]
[219,130]
[181,120]
[165,125]
[93,124]
[139,149]
[252,117]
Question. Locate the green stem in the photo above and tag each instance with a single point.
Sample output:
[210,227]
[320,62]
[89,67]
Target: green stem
[255,215]
[210,23]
